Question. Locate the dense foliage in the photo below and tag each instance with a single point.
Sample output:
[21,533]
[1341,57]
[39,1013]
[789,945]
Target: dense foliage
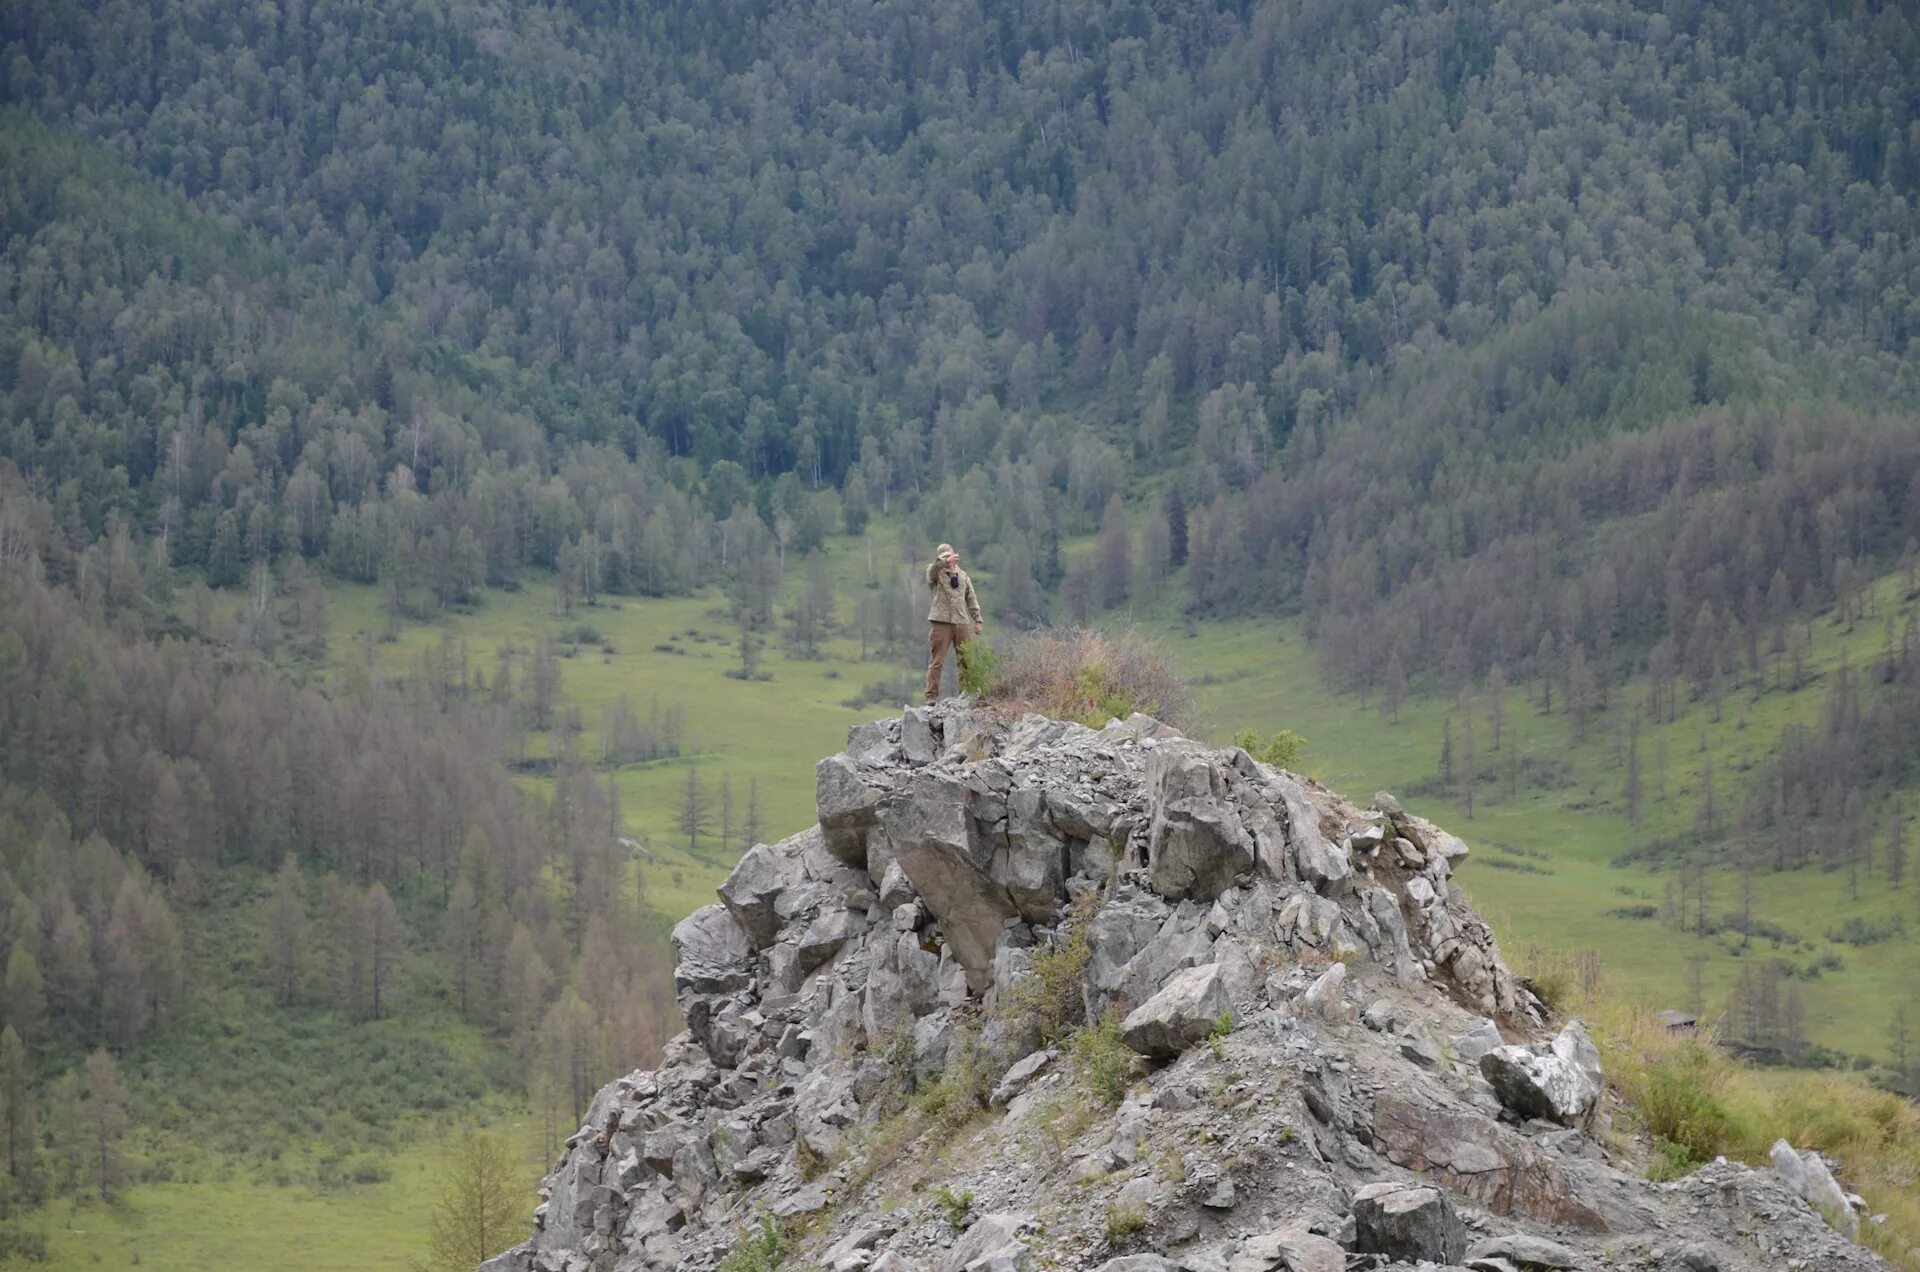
[192,838]
[496,267]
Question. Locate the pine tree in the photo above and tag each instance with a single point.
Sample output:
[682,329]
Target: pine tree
[1114,553]
[1175,510]
[1469,761]
[477,1213]
[1446,754]
[1706,817]
[18,1135]
[1896,853]
[1496,704]
[106,1117]
[693,810]
[527,980]
[1394,687]
[23,994]
[570,1050]
[1635,812]
[461,929]
[284,934]
[754,826]
[386,948]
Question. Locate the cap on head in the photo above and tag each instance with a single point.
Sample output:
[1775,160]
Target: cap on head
[942,552]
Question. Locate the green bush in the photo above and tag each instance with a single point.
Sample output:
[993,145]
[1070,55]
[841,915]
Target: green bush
[979,668]
[1283,750]
[759,1249]
[1100,1060]
[1049,997]
[1123,1220]
[958,1207]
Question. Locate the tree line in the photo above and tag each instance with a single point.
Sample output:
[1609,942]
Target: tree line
[397,867]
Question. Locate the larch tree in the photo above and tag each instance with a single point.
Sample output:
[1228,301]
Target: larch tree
[23,994]
[283,937]
[694,810]
[386,948]
[18,1135]
[1113,550]
[106,1117]
[478,1211]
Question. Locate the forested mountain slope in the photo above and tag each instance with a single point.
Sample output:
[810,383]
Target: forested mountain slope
[768,233]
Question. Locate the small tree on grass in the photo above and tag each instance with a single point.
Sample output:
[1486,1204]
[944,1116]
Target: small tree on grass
[283,936]
[17,1133]
[106,1117]
[693,810]
[477,1214]
[754,826]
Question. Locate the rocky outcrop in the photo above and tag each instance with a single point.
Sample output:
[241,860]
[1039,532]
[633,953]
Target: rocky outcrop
[975,885]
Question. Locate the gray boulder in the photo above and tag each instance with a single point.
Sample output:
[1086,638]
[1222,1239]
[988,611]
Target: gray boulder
[823,937]
[1528,1254]
[1323,996]
[934,844]
[1196,844]
[918,739]
[1032,862]
[1180,1015]
[1317,860]
[1118,933]
[991,1236]
[1807,1177]
[1020,1077]
[847,805]
[873,744]
[1409,1222]
[1561,1084]
[895,891]
[752,891]
[1477,1041]
[1139,1263]
[713,951]
[1290,1249]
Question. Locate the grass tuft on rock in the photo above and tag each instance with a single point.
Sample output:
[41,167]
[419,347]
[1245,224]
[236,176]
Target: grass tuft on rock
[1086,675]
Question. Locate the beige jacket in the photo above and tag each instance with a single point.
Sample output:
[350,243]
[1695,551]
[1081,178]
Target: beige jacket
[951,604]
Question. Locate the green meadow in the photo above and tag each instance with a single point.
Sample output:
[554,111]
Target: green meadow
[238,1221]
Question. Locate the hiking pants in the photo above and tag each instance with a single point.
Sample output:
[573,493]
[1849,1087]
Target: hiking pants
[940,638]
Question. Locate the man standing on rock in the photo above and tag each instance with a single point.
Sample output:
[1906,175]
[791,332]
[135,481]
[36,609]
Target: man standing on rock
[954,608]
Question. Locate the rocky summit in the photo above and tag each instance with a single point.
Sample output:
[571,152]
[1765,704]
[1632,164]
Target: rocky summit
[1033,995]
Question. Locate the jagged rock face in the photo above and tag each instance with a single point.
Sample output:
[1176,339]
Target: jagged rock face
[888,944]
